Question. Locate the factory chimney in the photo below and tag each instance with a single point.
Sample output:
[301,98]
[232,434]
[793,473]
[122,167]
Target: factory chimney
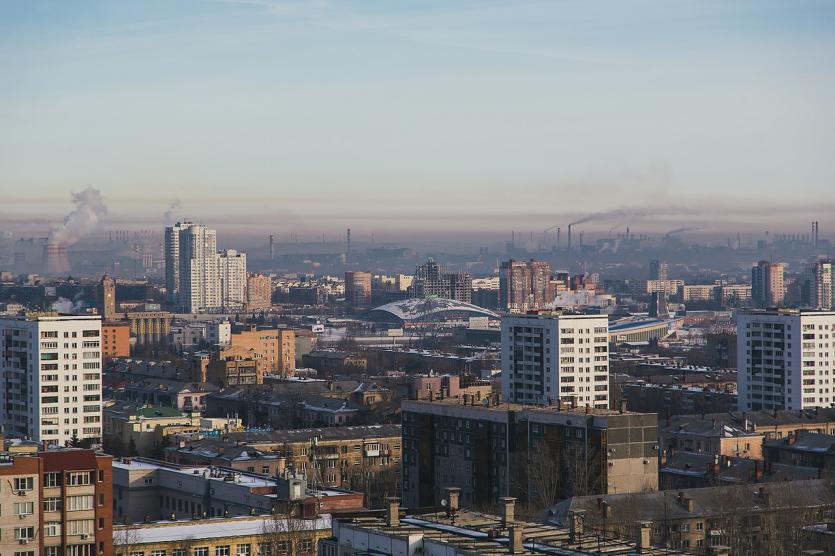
[569,238]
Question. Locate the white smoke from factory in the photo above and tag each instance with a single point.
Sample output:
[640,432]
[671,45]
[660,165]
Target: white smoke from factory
[64,305]
[82,220]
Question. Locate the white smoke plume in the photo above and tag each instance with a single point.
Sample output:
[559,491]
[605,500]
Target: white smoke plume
[81,221]
[64,305]
[169,214]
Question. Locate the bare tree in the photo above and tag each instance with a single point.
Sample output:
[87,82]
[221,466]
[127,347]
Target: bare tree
[126,540]
[285,533]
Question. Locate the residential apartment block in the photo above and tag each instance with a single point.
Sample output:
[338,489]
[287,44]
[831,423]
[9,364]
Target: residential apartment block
[52,386]
[550,356]
[56,503]
[495,450]
[785,359]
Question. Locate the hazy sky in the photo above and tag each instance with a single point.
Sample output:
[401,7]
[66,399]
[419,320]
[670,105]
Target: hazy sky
[386,114]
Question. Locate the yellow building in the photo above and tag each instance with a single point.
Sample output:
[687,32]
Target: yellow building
[274,349]
[235,536]
[141,429]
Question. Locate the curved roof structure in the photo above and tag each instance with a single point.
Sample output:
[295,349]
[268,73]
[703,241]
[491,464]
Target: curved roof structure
[422,309]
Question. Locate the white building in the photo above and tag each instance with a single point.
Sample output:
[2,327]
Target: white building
[232,275]
[52,372]
[550,356]
[785,359]
[821,285]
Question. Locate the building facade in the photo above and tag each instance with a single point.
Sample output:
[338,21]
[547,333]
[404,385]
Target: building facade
[821,286]
[767,285]
[106,298]
[115,339]
[431,281]
[783,361]
[259,291]
[525,285]
[52,377]
[551,356]
[57,503]
[510,450]
[274,349]
[358,289]
[232,279]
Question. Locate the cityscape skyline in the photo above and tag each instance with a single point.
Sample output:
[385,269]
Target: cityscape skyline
[330,114]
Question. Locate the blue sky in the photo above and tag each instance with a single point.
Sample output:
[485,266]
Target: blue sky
[326,114]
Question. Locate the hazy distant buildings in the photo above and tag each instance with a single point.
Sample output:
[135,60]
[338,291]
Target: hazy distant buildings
[547,357]
[431,281]
[658,270]
[358,289]
[784,360]
[767,286]
[198,278]
[525,285]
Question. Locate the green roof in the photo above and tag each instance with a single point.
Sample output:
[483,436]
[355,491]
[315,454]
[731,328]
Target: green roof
[159,412]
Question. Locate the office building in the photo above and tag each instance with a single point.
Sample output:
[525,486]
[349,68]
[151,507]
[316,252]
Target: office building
[358,289]
[233,279]
[52,377]
[495,450]
[56,503]
[784,360]
[551,356]
[658,270]
[431,281]
[525,285]
[820,286]
[767,287]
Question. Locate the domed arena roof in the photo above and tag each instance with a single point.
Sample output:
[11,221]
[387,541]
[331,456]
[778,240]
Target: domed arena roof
[407,310]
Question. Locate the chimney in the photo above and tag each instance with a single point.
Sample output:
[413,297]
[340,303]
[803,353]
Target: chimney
[507,509]
[393,512]
[642,539]
[575,525]
[45,445]
[663,457]
[516,535]
[452,496]
[588,409]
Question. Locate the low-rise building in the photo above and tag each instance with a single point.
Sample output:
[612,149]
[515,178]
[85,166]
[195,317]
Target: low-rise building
[235,367]
[133,429]
[804,449]
[235,536]
[710,436]
[147,490]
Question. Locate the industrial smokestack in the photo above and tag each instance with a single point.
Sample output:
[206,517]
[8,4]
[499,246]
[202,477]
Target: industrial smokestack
[558,239]
[569,238]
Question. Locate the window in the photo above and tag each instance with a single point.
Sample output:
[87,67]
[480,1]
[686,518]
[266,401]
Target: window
[179,552]
[77,479]
[221,551]
[244,550]
[51,550]
[24,508]
[305,545]
[80,527]
[202,551]
[157,553]
[24,533]
[81,502]
[24,483]
[52,479]
[52,505]
[24,553]
[52,529]
[90,334]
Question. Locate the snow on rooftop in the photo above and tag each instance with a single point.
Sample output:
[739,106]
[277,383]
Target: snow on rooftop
[216,528]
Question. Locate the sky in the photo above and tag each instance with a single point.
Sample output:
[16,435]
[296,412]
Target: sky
[393,115]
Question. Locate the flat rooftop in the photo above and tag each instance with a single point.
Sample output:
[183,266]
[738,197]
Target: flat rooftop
[479,533]
[213,528]
[509,406]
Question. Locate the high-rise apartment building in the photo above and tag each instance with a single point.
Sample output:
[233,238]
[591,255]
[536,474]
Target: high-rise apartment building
[232,276]
[784,359]
[658,270]
[198,278]
[358,288]
[525,285]
[52,377]
[767,287]
[57,503]
[551,356]
[820,286]
[431,281]
[259,291]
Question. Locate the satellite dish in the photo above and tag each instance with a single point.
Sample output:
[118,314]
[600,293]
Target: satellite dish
[444,502]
